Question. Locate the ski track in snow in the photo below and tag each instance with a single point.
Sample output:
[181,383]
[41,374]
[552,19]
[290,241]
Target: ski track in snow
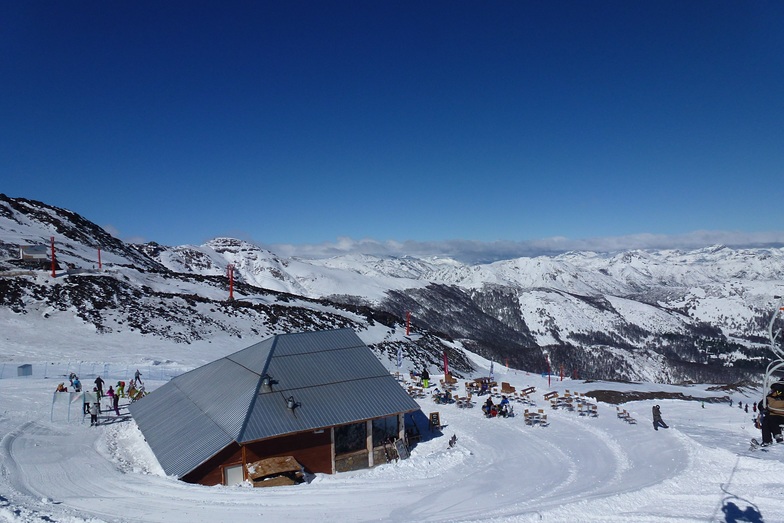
[86,480]
[577,469]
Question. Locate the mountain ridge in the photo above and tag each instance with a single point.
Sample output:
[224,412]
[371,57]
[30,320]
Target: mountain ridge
[667,315]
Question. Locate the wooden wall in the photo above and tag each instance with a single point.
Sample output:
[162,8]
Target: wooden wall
[211,471]
[312,450]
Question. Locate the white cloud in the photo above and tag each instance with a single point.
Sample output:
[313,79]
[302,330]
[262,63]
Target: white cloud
[471,251]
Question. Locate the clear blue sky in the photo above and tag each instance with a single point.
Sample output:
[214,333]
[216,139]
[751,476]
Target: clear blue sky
[303,122]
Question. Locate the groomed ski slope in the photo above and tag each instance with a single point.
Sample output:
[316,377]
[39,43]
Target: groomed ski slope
[576,469]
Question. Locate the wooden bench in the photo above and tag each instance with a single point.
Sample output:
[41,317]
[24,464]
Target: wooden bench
[416,392]
[467,402]
[506,388]
[625,416]
[550,395]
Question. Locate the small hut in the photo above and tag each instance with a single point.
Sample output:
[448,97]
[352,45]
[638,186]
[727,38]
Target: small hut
[321,397]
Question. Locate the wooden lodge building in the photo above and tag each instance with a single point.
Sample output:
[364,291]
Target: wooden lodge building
[322,397]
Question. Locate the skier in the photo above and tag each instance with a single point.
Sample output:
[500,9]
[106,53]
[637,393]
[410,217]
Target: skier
[657,419]
[94,414]
[425,378]
[138,376]
[111,394]
[116,404]
[99,386]
[773,416]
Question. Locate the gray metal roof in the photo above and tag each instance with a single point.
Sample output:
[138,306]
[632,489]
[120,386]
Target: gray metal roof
[333,377]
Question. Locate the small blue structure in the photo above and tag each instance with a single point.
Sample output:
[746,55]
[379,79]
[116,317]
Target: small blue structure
[24,370]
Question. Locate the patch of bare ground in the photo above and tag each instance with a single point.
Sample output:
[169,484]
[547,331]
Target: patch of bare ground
[615,397]
[744,386]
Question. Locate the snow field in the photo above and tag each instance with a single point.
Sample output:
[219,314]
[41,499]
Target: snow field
[576,469]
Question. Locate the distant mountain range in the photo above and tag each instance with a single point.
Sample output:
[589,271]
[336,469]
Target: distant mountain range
[661,316]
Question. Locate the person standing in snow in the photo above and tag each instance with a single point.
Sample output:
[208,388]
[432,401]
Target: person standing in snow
[99,386]
[110,394]
[657,419]
[773,415]
[425,378]
[138,376]
[116,404]
[94,414]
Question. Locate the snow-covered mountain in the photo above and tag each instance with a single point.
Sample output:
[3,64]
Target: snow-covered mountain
[640,315]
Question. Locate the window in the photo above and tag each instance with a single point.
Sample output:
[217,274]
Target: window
[384,429]
[350,438]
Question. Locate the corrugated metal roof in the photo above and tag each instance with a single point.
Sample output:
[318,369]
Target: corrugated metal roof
[254,357]
[177,431]
[308,342]
[332,375]
[326,405]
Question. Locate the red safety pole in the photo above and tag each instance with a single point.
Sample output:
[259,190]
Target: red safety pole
[231,282]
[408,323]
[99,258]
[53,262]
[562,372]
[446,364]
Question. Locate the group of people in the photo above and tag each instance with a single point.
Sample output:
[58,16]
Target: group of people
[503,409]
[113,394]
[442,397]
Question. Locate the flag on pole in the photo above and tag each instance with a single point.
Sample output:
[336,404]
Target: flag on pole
[446,364]
[492,378]
[399,357]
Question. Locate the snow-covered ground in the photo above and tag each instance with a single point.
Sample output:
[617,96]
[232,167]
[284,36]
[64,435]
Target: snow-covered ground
[578,469]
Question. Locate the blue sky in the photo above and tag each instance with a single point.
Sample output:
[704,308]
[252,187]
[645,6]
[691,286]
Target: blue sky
[309,125]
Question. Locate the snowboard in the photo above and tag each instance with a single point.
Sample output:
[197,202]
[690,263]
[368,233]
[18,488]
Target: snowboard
[756,445]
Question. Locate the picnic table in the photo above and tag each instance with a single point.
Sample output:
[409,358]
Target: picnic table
[535,418]
[273,472]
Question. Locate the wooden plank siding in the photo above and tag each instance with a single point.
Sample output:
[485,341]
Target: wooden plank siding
[315,450]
